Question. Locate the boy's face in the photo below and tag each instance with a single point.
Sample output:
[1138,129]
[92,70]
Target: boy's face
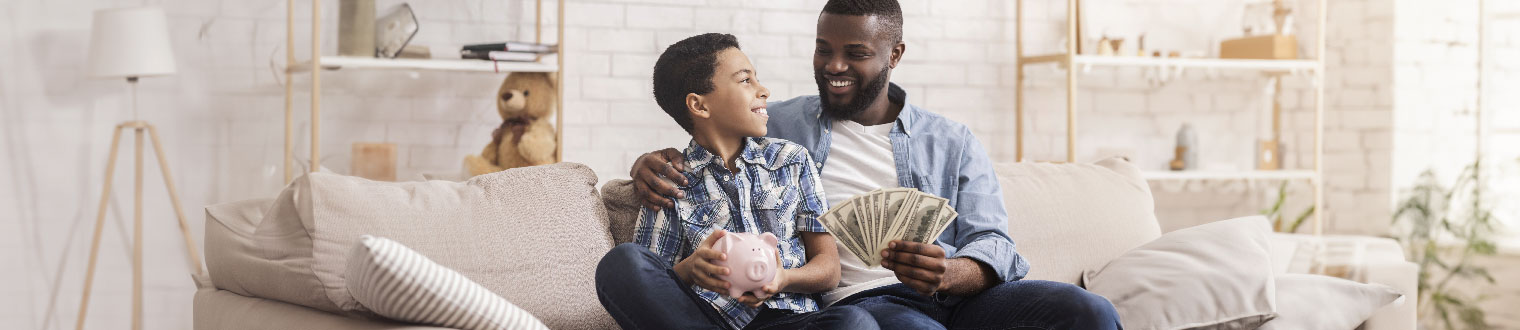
[737,103]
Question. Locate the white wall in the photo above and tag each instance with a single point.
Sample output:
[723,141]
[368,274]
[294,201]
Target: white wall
[1437,78]
[221,120]
[221,115]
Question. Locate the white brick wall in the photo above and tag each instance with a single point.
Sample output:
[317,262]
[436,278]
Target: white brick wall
[222,114]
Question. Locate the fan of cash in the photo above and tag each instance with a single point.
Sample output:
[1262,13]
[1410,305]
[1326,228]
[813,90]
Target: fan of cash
[865,224]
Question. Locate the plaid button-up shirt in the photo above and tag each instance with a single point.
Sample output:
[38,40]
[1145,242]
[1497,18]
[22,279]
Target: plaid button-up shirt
[775,190]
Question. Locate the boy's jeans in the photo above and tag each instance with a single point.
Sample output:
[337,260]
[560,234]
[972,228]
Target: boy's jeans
[641,292]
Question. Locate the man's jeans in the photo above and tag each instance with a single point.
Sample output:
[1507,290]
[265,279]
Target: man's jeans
[642,292]
[1012,305]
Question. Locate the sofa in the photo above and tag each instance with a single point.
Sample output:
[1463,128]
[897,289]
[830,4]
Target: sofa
[534,236]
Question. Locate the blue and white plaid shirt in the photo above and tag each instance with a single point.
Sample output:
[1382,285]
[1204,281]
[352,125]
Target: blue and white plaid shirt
[775,190]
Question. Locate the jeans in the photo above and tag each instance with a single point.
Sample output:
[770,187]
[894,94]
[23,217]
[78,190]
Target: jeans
[1011,305]
[642,292]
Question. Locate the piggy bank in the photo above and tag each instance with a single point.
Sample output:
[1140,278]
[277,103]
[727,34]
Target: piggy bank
[751,261]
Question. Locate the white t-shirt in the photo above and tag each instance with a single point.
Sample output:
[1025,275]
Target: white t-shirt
[860,160]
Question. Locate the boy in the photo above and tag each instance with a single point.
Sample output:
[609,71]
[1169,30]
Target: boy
[741,182]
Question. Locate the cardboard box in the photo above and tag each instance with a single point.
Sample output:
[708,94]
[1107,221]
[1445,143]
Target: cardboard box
[374,161]
[1273,47]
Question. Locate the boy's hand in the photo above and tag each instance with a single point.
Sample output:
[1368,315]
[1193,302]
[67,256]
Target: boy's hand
[699,269]
[769,290]
[652,175]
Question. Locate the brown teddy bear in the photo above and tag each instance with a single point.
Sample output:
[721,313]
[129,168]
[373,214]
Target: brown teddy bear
[525,102]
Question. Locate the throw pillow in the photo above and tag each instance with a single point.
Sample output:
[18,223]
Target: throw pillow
[1212,276]
[1053,210]
[1308,301]
[395,282]
[533,235]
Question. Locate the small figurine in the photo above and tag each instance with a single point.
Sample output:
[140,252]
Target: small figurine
[1187,149]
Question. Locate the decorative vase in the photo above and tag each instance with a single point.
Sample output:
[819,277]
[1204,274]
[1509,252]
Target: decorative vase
[1187,149]
[356,28]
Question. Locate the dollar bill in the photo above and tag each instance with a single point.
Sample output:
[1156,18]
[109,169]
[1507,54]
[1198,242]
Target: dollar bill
[948,216]
[865,224]
[907,214]
[840,220]
[883,217]
[925,220]
[896,198]
[866,233]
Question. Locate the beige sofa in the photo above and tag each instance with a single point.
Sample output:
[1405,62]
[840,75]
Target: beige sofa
[1065,218]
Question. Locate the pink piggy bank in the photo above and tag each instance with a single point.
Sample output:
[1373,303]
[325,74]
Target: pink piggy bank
[751,261]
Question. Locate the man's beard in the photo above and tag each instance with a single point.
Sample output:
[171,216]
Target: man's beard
[864,95]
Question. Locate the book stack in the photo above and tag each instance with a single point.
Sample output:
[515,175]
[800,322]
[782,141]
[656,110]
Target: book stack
[507,51]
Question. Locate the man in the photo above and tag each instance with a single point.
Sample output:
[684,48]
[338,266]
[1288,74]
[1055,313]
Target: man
[864,135]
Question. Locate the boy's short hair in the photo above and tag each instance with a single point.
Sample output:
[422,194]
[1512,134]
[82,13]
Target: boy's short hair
[687,67]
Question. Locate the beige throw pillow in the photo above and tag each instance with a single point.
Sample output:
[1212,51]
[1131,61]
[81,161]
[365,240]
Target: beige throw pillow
[532,235]
[1212,276]
[1067,218]
[1306,301]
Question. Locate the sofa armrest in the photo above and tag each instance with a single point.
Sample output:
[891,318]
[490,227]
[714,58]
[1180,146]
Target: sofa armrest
[622,209]
[1366,259]
[1403,276]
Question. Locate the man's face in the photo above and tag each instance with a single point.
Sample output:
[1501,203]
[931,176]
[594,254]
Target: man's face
[852,63]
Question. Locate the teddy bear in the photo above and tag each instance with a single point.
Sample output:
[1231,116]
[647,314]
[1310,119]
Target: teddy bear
[526,136]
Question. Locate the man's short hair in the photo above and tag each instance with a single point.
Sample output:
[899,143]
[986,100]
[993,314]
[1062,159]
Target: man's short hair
[687,67]
[887,11]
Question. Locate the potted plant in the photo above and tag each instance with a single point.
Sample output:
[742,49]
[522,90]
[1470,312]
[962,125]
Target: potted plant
[1443,229]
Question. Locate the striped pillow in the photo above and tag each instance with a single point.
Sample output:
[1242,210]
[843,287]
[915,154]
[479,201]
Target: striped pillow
[396,282]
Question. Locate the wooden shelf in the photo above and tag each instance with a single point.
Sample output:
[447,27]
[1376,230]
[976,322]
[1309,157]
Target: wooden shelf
[1068,58]
[1203,63]
[372,63]
[1250,175]
[294,66]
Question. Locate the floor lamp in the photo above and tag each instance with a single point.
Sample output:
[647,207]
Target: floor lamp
[131,43]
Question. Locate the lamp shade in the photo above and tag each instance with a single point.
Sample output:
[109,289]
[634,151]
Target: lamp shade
[130,42]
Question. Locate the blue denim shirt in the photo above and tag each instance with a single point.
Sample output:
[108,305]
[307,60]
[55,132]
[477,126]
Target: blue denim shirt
[934,155]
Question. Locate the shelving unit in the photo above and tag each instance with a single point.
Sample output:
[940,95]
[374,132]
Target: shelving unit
[331,63]
[1255,175]
[1268,66]
[1074,62]
[317,63]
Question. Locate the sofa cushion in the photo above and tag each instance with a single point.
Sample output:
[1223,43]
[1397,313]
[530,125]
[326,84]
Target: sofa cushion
[1212,276]
[224,310]
[622,209]
[1306,301]
[532,235]
[1067,218]
[401,284]
[250,242]
[240,260]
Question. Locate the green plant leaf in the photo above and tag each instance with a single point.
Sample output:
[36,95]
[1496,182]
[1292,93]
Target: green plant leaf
[1455,213]
[1300,220]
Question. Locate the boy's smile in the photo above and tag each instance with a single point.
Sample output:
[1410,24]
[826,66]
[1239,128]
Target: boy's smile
[760,110]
